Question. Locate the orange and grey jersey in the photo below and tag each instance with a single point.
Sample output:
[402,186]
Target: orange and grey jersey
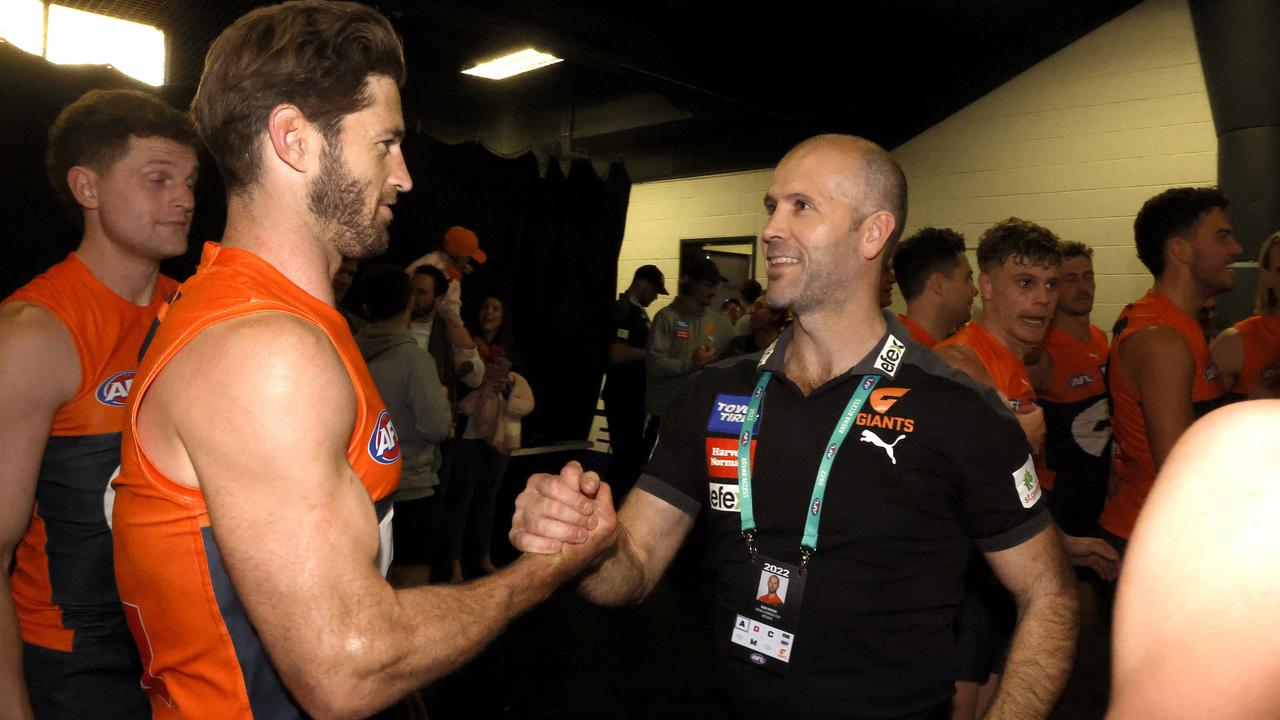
[201,655]
[62,583]
[1077,421]
[1260,335]
[1131,460]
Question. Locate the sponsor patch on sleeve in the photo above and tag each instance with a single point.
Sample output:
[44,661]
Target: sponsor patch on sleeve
[890,355]
[722,457]
[724,497]
[682,330]
[728,413]
[1026,483]
[624,334]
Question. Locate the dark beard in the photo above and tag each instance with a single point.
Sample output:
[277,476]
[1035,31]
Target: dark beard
[337,200]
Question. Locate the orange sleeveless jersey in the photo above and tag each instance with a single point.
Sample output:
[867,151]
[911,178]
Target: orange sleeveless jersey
[918,333]
[1007,373]
[62,582]
[201,656]
[1261,338]
[1131,460]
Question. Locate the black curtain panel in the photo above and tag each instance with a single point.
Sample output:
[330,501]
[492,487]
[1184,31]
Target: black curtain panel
[552,237]
[552,242]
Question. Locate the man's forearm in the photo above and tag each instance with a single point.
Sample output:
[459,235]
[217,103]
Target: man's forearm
[13,687]
[1040,657]
[618,578]
[428,633]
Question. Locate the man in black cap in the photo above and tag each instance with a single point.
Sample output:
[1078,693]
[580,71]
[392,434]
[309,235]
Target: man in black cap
[624,386]
[687,334]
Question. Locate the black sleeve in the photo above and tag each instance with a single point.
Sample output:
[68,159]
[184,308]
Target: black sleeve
[1001,503]
[676,471]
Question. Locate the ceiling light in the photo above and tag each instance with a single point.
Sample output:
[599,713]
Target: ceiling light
[512,64]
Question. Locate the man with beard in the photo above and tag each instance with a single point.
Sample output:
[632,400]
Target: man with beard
[849,460]
[1161,374]
[430,287]
[124,163]
[937,283]
[1071,383]
[258,458]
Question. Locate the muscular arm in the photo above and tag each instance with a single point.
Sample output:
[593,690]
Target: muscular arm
[1228,355]
[39,372]
[1044,641]
[1195,629]
[298,531]
[1157,363]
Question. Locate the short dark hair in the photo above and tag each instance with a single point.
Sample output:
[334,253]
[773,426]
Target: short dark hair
[751,290]
[928,251]
[1074,249]
[1022,240]
[315,55]
[440,281]
[94,132]
[1173,212]
[384,290]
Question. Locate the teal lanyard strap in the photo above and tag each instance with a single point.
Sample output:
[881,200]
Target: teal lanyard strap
[809,542]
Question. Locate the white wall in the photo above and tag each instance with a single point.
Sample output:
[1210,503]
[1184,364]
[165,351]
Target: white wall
[1076,143]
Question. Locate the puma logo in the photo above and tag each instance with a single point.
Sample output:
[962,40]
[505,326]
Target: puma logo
[868,436]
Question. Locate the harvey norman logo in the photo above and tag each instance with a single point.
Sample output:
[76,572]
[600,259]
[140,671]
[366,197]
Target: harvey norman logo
[890,355]
[722,457]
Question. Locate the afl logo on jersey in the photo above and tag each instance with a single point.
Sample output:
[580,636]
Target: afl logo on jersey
[384,446]
[115,390]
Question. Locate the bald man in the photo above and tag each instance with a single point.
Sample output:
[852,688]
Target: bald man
[921,461]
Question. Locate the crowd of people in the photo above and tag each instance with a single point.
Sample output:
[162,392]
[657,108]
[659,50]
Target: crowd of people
[252,494]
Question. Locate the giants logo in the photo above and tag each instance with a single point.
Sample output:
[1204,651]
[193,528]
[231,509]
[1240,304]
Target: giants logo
[881,400]
[115,390]
[384,446]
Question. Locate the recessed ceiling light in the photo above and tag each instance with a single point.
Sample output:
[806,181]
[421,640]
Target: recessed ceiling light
[512,64]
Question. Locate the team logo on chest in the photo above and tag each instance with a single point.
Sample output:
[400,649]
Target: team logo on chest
[384,446]
[115,390]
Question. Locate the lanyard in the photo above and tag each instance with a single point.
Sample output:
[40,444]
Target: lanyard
[809,542]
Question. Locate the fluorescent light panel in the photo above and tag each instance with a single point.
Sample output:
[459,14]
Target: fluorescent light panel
[512,64]
[22,23]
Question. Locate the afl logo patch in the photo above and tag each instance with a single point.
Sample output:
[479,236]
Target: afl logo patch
[115,390]
[816,507]
[384,446]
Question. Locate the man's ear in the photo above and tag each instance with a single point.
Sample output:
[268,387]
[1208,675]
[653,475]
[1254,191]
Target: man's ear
[293,139]
[876,229]
[83,183]
[1178,248]
[986,288]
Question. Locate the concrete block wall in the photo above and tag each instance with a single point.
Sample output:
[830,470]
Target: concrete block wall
[1077,143]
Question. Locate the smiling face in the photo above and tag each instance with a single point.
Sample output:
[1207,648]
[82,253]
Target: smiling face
[811,237]
[490,314]
[1019,299]
[1213,248]
[361,173]
[144,201]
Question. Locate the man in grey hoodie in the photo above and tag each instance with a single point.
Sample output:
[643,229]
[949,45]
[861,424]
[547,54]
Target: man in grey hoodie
[407,380]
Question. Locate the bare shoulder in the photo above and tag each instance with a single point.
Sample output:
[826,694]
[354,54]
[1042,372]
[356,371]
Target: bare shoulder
[1149,344]
[267,369]
[33,337]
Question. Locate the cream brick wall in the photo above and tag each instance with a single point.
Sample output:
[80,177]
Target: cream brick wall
[1077,143]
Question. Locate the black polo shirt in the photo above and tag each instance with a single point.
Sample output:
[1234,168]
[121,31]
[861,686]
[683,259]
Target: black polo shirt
[625,383]
[875,635]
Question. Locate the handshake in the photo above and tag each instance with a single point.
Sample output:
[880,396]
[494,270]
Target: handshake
[570,514]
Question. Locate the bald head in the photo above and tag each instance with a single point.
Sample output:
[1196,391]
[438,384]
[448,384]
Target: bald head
[875,182]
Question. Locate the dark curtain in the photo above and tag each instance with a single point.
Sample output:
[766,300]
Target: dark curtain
[552,245]
[552,241]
